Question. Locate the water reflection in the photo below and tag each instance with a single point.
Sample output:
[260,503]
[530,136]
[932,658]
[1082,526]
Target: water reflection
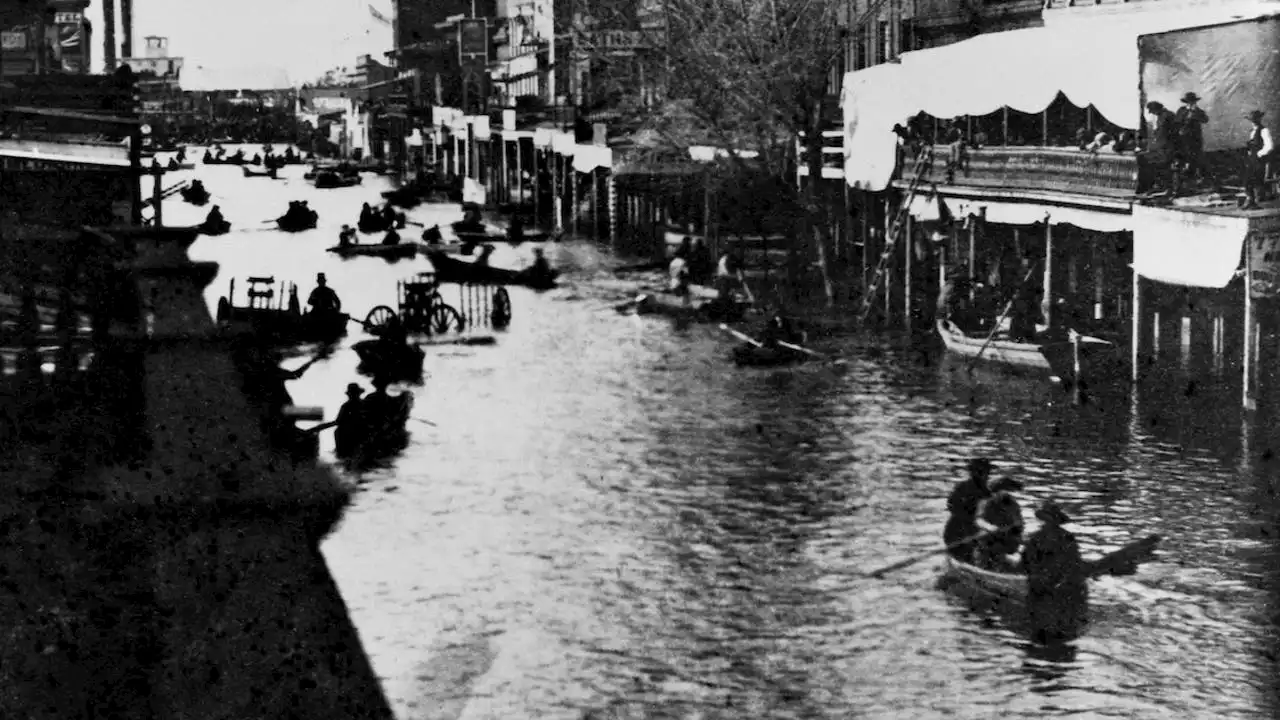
[607,514]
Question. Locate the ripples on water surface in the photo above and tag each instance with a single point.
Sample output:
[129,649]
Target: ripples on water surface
[609,516]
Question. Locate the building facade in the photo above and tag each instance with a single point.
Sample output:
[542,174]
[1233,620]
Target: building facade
[55,38]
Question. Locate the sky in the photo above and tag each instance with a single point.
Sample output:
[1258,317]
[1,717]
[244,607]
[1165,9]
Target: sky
[255,43]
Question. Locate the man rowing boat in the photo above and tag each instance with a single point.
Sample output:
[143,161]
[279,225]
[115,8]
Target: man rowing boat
[1001,517]
[964,503]
[1057,576]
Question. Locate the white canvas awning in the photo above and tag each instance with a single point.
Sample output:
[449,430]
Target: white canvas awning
[1092,64]
[1194,249]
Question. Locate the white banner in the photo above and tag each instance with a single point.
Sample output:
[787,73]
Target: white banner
[1193,249]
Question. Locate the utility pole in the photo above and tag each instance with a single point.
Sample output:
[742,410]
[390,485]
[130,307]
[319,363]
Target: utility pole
[126,28]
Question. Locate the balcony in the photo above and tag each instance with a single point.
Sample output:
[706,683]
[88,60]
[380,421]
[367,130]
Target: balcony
[1015,171]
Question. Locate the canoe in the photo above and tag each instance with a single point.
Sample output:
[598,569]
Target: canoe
[1094,357]
[701,308]
[282,326]
[298,225]
[402,250]
[748,355]
[379,436]
[452,270]
[393,359]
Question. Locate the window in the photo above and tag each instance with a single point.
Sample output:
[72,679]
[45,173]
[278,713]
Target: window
[883,51]
[860,50]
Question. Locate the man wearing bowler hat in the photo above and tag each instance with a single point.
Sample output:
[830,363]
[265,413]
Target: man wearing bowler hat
[1257,151]
[1190,121]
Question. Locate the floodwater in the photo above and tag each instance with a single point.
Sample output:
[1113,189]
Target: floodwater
[606,516]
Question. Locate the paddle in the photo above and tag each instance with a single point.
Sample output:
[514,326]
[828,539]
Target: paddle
[925,556]
[741,336]
[810,353]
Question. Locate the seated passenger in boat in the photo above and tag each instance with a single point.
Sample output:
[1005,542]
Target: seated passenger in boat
[540,266]
[347,237]
[515,231]
[323,299]
[181,156]
[388,215]
[379,407]
[196,188]
[1001,518]
[173,164]
[391,238]
[678,272]
[1025,309]
[964,505]
[366,214]
[431,235]
[1057,576]
[727,276]
[214,219]
[351,425]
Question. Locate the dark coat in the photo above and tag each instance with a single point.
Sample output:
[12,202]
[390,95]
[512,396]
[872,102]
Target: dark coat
[963,506]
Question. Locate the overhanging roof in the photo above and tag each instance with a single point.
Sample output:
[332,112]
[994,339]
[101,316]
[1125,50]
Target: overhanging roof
[1091,64]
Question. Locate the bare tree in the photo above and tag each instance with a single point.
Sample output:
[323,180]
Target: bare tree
[751,76]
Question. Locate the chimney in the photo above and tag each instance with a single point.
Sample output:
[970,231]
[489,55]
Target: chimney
[109,34]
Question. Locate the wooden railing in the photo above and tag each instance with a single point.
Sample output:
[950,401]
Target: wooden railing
[1038,169]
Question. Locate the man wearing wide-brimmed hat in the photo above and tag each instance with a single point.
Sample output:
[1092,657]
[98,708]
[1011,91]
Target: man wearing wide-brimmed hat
[1257,151]
[1057,575]
[1190,121]
[963,505]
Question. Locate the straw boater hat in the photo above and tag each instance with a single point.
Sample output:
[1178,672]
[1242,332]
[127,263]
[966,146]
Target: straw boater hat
[1050,512]
[354,390]
[1190,98]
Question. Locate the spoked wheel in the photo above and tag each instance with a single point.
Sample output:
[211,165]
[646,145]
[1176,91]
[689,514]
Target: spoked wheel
[379,318]
[501,315]
[445,318]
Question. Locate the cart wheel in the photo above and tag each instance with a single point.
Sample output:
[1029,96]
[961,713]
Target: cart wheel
[224,310]
[444,318]
[378,318]
[501,315]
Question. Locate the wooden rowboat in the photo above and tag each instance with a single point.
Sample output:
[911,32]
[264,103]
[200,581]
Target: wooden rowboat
[1012,587]
[328,180]
[703,306]
[380,436]
[1085,356]
[298,224]
[400,362]
[452,270]
[390,252]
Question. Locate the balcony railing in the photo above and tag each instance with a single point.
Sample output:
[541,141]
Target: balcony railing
[1036,169]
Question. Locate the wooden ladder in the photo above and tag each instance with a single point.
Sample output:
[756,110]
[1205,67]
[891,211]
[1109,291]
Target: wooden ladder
[923,161]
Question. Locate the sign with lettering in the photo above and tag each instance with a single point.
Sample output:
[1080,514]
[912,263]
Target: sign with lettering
[473,37]
[13,40]
[68,18]
[1264,257]
[613,41]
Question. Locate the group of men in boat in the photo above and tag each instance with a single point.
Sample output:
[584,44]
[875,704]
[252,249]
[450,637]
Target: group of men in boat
[299,212]
[364,419]
[973,305]
[269,160]
[985,529]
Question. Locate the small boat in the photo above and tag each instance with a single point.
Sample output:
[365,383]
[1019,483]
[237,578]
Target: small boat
[254,173]
[173,166]
[296,223]
[285,325]
[1070,358]
[219,228]
[378,223]
[407,197]
[329,179]
[398,251]
[380,436]
[396,360]
[451,270]
[191,195]
[705,305]
[748,355]
[487,237]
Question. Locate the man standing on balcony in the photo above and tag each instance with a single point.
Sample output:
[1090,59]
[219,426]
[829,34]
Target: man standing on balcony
[1158,156]
[1257,151]
[1190,120]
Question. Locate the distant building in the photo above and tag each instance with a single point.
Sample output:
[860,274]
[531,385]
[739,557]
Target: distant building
[54,39]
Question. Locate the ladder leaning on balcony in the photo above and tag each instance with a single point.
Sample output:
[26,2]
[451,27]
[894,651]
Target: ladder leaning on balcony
[923,161]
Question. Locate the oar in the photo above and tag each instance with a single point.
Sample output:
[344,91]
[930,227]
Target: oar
[427,422]
[925,556]
[740,336]
[810,353]
[1007,308]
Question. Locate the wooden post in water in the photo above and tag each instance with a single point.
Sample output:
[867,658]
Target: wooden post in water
[1046,302]
[157,195]
[1246,394]
[519,175]
[907,251]
[884,246]
[1136,325]
[973,248]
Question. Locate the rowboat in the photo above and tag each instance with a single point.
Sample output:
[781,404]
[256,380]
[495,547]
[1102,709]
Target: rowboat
[396,360]
[328,180]
[377,223]
[398,251]
[748,355]
[297,224]
[195,198]
[704,305]
[377,436]
[487,237]
[1071,358]
[253,173]
[180,166]
[451,270]
[283,324]
[1012,587]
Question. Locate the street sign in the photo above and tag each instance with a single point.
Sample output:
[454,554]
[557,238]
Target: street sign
[68,18]
[473,37]
[613,41]
[14,40]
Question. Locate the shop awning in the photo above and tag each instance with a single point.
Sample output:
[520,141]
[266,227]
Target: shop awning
[1193,249]
[1092,64]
